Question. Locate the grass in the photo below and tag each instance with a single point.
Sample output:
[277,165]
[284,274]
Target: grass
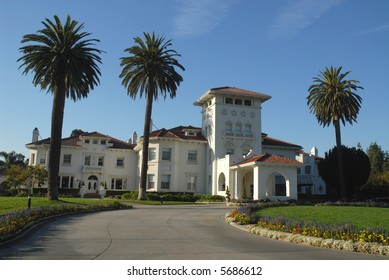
[10,204]
[361,217]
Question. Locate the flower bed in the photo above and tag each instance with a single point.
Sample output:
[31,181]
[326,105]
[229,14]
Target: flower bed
[341,236]
[15,223]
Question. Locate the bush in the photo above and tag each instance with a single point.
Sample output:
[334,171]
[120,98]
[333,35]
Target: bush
[210,198]
[186,197]
[8,192]
[132,195]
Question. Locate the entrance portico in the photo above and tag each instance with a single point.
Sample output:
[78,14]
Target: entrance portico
[265,176]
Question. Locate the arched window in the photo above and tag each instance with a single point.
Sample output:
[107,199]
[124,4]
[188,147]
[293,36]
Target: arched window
[221,182]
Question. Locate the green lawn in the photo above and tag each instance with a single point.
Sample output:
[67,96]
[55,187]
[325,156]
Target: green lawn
[360,217]
[9,204]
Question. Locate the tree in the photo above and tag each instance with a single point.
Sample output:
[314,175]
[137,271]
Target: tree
[377,157]
[356,169]
[332,99]
[65,63]
[150,70]
[17,175]
[11,158]
[37,174]
[77,132]
[378,183]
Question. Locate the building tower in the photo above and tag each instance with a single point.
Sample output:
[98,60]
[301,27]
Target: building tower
[231,122]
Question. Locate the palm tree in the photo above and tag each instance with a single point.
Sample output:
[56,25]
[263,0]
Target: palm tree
[332,99]
[64,63]
[150,70]
[11,158]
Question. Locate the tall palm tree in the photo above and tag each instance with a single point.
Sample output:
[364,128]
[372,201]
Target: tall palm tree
[332,99]
[64,62]
[150,70]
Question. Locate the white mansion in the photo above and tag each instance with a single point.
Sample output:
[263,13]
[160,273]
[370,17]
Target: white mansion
[229,150]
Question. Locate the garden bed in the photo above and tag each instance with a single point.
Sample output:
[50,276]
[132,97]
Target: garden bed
[343,236]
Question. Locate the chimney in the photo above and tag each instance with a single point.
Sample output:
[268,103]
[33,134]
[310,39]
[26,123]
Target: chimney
[35,135]
[314,151]
[134,137]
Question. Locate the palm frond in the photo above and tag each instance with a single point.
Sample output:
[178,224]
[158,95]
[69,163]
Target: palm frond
[57,50]
[151,60]
[333,98]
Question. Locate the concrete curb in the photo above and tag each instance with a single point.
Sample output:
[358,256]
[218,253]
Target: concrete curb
[361,247]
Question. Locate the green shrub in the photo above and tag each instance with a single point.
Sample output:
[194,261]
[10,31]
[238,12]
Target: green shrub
[132,195]
[210,198]
[8,192]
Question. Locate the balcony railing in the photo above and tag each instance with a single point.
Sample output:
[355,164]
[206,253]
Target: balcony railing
[88,168]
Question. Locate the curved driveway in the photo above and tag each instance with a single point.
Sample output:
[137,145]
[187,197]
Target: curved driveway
[158,232]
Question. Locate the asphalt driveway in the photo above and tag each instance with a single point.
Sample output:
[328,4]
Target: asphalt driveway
[182,232]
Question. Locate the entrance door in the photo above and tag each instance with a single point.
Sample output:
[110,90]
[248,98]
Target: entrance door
[92,184]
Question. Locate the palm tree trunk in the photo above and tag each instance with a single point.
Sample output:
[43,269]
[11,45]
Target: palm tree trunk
[342,185]
[145,147]
[55,140]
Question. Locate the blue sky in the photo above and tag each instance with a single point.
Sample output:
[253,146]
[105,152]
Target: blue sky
[273,47]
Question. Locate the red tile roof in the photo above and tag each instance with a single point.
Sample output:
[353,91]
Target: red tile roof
[268,158]
[269,141]
[233,91]
[73,141]
[179,133]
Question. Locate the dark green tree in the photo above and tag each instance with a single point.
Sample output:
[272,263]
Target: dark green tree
[65,63]
[11,158]
[150,71]
[377,157]
[76,132]
[356,169]
[333,100]
[378,183]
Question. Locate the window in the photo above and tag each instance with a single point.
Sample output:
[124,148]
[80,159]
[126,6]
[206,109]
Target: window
[229,100]
[238,101]
[307,169]
[229,128]
[118,183]
[247,102]
[165,182]
[166,154]
[230,148]
[95,141]
[192,156]
[101,161]
[42,160]
[67,159]
[150,181]
[230,151]
[66,181]
[209,156]
[238,129]
[120,162]
[152,154]
[247,130]
[191,181]
[32,159]
[87,160]
[87,141]
[103,142]
[245,151]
